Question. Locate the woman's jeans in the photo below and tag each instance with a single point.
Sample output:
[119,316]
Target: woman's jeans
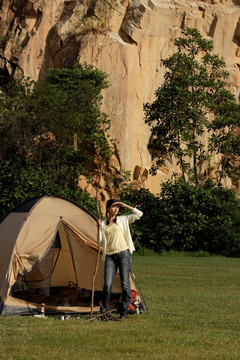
[122,261]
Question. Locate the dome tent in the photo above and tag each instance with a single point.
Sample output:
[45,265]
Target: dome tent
[48,247]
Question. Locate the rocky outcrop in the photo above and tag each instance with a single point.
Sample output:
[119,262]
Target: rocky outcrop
[127,40]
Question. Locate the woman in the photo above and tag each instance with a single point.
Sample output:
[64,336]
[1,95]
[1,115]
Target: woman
[117,244]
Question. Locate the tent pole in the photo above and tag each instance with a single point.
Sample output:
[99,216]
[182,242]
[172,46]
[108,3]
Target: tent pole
[98,239]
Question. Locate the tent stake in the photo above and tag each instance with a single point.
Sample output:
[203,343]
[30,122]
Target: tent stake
[98,240]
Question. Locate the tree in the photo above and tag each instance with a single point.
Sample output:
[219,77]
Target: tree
[51,133]
[193,105]
[41,121]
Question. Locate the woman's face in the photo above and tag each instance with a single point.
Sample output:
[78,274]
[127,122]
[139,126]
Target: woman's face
[113,210]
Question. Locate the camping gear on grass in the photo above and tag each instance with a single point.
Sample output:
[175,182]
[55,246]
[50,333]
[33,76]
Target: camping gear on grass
[48,249]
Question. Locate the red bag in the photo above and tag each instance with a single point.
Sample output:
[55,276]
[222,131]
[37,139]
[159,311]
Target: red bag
[134,302]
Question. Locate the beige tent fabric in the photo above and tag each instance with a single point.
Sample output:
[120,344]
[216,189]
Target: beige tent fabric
[31,245]
[10,227]
[39,230]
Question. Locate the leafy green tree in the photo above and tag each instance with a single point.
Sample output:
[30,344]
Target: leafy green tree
[194,104]
[52,132]
[41,121]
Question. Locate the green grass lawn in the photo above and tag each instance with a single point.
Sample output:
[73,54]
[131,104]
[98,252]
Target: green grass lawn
[193,314]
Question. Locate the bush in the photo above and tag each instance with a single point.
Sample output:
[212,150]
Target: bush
[144,231]
[186,217]
[21,180]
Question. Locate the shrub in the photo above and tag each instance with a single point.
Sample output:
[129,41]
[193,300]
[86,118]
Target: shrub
[21,180]
[186,217]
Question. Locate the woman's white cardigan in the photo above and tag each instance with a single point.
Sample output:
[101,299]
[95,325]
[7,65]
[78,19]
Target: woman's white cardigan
[123,221]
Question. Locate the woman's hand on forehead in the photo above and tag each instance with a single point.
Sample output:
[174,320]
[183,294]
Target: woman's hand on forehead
[118,203]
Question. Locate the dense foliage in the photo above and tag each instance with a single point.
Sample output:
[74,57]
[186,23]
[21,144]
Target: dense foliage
[185,217]
[50,134]
[193,104]
[21,180]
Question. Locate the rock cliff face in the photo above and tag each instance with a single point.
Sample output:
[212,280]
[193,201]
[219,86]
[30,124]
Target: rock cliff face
[127,40]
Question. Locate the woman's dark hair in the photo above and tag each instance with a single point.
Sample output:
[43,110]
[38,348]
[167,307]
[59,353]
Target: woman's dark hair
[108,205]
